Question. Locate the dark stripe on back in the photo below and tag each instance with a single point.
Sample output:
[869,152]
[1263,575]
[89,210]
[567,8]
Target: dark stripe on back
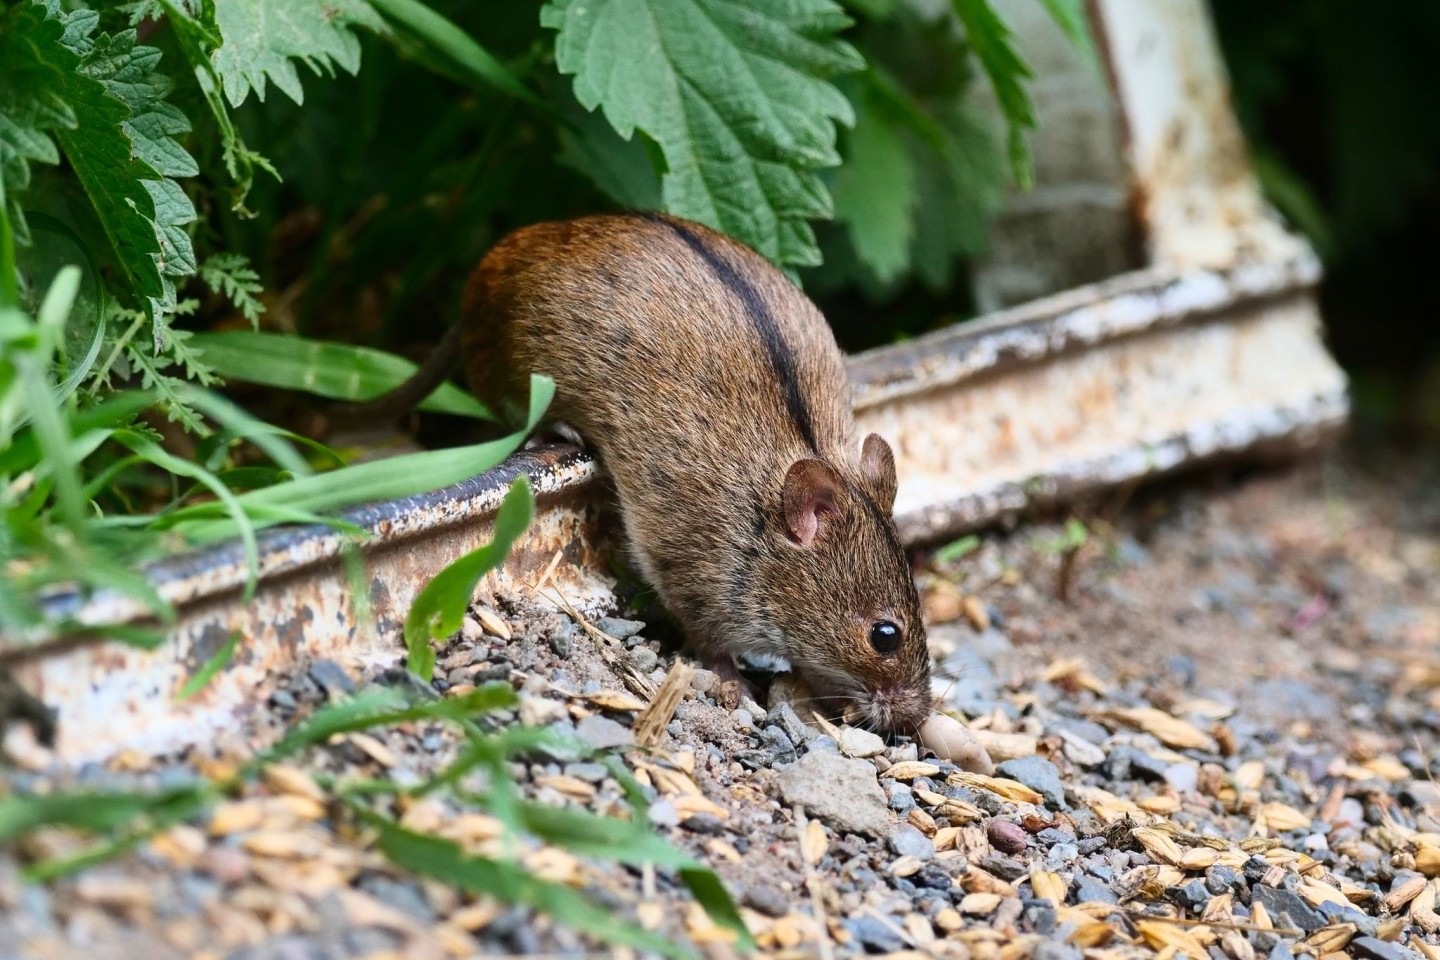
[782,361]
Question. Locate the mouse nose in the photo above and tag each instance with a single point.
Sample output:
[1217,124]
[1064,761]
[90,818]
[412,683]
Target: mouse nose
[898,709]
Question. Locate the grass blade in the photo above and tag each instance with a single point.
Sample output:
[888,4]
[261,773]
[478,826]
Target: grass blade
[440,607]
[453,48]
[211,667]
[335,370]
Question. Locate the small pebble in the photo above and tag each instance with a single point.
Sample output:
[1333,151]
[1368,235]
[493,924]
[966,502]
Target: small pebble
[602,733]
[907,841]
[767,899]
[619,629]
[1005,836]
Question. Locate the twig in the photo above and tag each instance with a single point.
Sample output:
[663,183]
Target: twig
[651,722]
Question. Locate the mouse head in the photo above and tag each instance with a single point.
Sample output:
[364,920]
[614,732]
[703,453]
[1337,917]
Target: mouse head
[843,594]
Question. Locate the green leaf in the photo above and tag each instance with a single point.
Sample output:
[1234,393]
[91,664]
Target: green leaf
[382,706]
[620,168]
[207,671]
[446,46]
[93,812]
[441,605]
[736,96]
[1070,16]
[231,276]
[326,369]
[510,883]
[124,153]
[994,47]
[881,220]
[264,39]
[32,75]
[958,549]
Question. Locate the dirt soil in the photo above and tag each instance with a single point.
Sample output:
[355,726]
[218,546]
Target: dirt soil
[1219,743]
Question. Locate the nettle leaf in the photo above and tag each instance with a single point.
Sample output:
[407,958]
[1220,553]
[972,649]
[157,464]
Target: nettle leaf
[881,222]
[263,39]
[994,47]
[124,153]
[32,70]
[736,96]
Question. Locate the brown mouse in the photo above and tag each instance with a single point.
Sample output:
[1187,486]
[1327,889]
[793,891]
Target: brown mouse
[714,395]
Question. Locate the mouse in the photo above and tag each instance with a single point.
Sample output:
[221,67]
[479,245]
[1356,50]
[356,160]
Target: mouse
[715,398]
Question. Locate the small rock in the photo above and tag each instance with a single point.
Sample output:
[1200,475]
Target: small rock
[907,841]
[706,823]
[1220,878]
[662,813]
[767,899]
[1182,776]
[902,798]
[1192,896]
[643,659]
[1373,948]
[332,678]
[755,710]
[589,772]
[1005,836]
[562,638]
[778,744]
[602,733]
[403,895]
[619,629]
[855,742]
[1286,908]
[705,682]
[1039,775]
[1090,890]
[875,936]
[1006,868]
[743,719]
[1055,950]
[470,629]
[841,791]
[784,717]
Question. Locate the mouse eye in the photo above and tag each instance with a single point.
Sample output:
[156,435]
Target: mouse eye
[885,637]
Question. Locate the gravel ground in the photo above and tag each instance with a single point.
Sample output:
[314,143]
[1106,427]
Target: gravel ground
[1219,743]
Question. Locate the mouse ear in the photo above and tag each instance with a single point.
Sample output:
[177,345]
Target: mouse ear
[877,467]
[811,497]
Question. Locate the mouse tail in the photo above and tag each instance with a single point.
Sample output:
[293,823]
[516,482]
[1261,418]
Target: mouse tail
[437,368]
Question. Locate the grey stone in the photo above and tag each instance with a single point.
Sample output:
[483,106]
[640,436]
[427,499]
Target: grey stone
[1286,908]
[1090,890]
[838,790]
[644,659]
[1055,950]
[875,935]
[620,629]
[783,716]
[562,638]
[1182,777]
[778,744]
[1192,896]
[767,899]
[1373,948]
[1220,878]
[1039,775]
[662,813]
[589,772]
[907,841]
[706,823]
[602,733]
[331,677]
[404,895]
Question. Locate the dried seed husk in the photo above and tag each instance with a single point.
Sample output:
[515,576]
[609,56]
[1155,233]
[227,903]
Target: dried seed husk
[1012,790]
[1160,935]
[921,821]
[1048,885]
[906,866]
[1199,858]
[1160,847]
[492,623]
[813,842]
[980,904]
[1402,893]
[1171,731]
[1284,818]
[1316,892]
[951,740]
[1332,937]
[910,769]
[1007,746]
